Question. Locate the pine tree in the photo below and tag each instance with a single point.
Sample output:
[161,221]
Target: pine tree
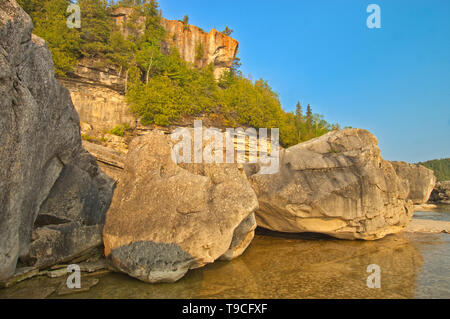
[299,111]
[227,31]
[309,116]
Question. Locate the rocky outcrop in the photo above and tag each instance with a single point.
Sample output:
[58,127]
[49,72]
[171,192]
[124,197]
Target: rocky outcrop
[417,179]
[195,45]
[166,219]
[100,106]
[201,48]
[441,193]
[110,161]
[45,174]
[336,184]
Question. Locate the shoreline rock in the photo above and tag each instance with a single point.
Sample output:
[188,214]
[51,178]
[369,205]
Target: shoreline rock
[166,218]
[51,188]
[441,193]
[339,185]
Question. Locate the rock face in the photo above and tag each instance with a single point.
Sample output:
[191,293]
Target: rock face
[441,193]
[214,47]
[417,179]
[110,161]
[336,184]
[100,106]
[41,151]
[166,219]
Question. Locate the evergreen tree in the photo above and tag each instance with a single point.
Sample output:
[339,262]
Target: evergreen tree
[227,31]
[299,112]
[95,28]
[309,116]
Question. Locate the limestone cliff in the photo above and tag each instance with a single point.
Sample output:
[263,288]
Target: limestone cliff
[216,48]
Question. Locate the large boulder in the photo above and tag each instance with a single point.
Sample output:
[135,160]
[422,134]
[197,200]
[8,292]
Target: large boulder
[418,181]
[167,218]
[336,184]
[40,138]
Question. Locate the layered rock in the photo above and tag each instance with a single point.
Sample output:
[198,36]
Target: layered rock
[166,219]
[41,148]
[417,179]
[336,184]
[100,106]
[201,48]
[110,161]
[441,193]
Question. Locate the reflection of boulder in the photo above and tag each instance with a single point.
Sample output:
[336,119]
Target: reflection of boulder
[336,184]
[417,179]
[43,163]
[166,218]
[297,266]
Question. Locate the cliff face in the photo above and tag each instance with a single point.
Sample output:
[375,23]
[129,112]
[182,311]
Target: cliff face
[195,45]
[216,48]
[52,194]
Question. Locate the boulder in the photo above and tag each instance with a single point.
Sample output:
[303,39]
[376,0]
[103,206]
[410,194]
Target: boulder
[441,193]
[167,218]
[41,143]
[417,179]
[336,184]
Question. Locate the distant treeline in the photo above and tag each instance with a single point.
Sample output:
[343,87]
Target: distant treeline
[440,167]
[161,87]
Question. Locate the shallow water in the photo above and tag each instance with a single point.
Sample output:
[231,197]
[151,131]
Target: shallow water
[294,266]
[442,212]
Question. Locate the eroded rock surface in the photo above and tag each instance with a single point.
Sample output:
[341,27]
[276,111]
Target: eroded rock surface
[166,219]
[441,193]
[336,184]
[418,180]
[41,148]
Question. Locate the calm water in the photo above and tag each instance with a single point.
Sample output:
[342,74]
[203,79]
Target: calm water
[294,266]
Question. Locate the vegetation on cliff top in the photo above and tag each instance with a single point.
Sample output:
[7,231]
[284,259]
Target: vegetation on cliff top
[440,167]
[161,87]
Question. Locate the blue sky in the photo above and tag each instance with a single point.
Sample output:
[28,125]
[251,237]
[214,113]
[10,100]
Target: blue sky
[393,81]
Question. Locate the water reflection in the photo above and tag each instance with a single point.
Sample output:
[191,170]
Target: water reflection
[290,266]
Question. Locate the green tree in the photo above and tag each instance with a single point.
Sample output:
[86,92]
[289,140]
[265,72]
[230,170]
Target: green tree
[50,23]
[227,31]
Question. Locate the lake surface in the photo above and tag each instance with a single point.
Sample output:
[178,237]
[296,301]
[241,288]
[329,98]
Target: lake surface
[296,266]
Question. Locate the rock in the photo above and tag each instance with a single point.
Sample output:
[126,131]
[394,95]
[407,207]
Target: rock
[218,49]
[41,146]
[441,193]
[101,107]
[417,179]
[110,161]
[166,218]
[428,226]
[336,184]
[21,274]
[57,273]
